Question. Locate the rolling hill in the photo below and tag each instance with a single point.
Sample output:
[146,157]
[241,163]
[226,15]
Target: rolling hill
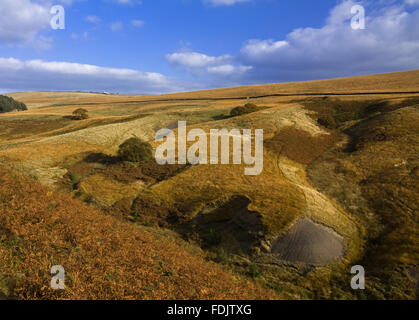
[338,188]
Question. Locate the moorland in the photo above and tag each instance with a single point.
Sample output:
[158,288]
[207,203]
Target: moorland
[338,188]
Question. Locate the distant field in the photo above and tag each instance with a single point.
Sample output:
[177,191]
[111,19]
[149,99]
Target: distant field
[391,83]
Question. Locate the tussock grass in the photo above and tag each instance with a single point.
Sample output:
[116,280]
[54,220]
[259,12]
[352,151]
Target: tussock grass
[373,178]
[104,258]
[300,146]
[359,154]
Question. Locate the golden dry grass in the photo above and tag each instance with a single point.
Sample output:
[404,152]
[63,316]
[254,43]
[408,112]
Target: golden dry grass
[108,191]
[104,258]
[389,82]
[281,195]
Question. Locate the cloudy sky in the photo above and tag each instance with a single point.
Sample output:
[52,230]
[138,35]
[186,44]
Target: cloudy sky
[156,46]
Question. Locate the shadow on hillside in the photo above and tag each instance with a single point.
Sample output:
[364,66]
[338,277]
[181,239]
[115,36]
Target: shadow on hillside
[101,158]
[230,224]
[221,117]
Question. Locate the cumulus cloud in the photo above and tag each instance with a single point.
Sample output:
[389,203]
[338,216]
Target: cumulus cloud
[127,2]
[412,2]
[56,76]
[117,26]
[390,42]
[93,19]
[137,23]
[203,65]
[225,2]
[22,20]
[193,60]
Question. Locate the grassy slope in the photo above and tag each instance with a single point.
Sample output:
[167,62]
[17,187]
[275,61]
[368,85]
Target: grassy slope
[281,194]
[104,258]
[375,177]
[391,82]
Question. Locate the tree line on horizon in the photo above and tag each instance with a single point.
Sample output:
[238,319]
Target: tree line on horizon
[8,104]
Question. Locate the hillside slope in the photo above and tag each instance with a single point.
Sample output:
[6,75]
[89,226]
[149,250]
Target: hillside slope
[407,81]
[104,258]
[338,188]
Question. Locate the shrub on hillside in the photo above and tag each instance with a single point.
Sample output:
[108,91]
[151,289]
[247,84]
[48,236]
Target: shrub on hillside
[135,150]
[333,113]
[241,110]
[8,104]
[80,114]
[253,271]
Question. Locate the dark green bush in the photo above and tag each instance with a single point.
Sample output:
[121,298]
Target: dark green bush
[241,110]
[221,256]
[251,106]
[135,150]
[327,121]
[253,271]
[8,104]
[212,239]
[80,114]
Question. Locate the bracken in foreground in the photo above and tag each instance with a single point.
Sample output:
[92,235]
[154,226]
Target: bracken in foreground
[104,258]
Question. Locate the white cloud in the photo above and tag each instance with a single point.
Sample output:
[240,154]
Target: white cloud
[127,2]
[137,23]
[228,70]
[195,59]
[390,43]
[412,2]
[224,2]
[93,19]
[22,20]
[258,48]
[56,76]
[202,64]
[84,35]
[116,26]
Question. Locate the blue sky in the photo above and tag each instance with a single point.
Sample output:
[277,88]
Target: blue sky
[155,46]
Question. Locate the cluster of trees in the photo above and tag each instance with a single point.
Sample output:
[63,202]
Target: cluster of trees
[80,114]
[135,150]
[8,104]
[241,110]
